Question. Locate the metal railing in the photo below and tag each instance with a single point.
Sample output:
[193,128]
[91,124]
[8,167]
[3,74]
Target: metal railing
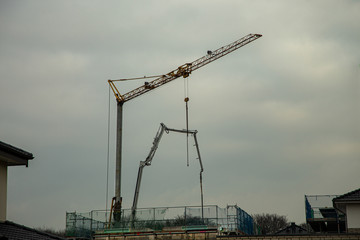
[231,218]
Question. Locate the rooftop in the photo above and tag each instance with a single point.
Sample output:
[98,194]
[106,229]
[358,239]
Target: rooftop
[12,156]
[10,230]
[348,197]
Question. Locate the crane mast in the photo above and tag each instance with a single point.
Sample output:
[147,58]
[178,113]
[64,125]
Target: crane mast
[182,71]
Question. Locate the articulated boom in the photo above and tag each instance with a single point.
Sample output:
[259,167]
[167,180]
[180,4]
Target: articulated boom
[150,156]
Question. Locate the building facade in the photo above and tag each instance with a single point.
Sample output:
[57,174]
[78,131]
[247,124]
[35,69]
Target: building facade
[349,205]
[9,156]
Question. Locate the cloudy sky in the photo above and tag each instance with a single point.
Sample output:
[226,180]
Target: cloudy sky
[277,119]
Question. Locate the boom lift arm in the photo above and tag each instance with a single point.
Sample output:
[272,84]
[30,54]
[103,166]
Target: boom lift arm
[163,128]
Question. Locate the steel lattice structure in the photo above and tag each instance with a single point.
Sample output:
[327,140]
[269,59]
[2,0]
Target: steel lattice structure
[182,71]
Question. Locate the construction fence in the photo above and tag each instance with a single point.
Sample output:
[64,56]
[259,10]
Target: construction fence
[231,219]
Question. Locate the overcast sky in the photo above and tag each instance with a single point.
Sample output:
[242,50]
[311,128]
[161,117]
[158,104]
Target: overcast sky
[277,119]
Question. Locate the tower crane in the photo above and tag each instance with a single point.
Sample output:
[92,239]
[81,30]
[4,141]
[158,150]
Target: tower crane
[182,71]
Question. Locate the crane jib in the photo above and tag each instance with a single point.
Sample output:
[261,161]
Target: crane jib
[184,70]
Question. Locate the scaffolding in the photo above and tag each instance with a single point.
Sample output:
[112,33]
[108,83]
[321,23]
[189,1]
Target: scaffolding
[229,220]
[321,215]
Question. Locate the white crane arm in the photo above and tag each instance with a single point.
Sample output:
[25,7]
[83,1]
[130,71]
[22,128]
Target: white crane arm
[163,128]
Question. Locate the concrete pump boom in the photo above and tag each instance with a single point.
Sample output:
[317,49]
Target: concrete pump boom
[163,128]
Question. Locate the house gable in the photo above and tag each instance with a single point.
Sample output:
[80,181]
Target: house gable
[349,204]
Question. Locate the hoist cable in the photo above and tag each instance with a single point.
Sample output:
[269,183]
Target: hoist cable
[187,118]
[186,92]
[108,157]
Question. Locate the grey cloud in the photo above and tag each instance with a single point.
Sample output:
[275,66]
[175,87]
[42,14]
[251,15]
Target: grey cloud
[275,118]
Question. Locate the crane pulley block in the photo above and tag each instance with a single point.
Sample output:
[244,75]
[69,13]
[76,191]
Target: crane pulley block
[182,71]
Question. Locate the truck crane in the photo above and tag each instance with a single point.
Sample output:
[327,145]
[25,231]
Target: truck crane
[163,128]
[182,71]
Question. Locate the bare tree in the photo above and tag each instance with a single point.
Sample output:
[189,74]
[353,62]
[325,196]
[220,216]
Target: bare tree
[60,233]
[270,223]
[307,227]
